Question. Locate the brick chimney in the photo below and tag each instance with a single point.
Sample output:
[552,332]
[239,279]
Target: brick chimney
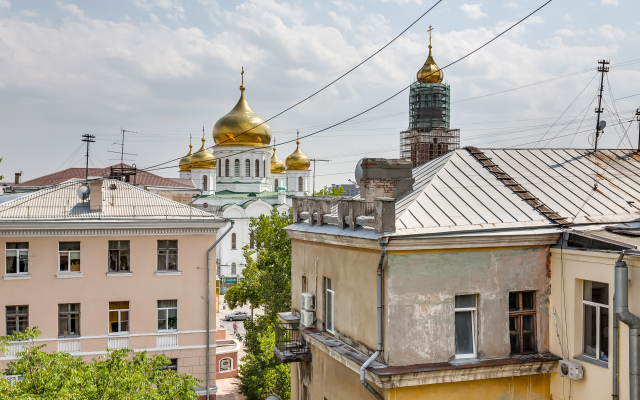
[18,179]
[382,177]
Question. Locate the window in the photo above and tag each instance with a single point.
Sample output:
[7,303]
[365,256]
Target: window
[17,258]
[233,241]
[522,322]
[236,167]
[118,317]
[247,167]
[69,256]
[226,168]
[119,256]
[465,326]
[275,186]
[226,364]
[204,183]
[68,320]
[233,268]
[595,316]
[304,284]
[17,319]
[167,315]
[264,167]
[252,241]
[220,171]
[167,255]
[300,184]
[257,168]
[329,306]
[173,364]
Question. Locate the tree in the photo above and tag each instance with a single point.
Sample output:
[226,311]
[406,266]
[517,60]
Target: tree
[1,177]
[332,191]
[268,285]
[116,375]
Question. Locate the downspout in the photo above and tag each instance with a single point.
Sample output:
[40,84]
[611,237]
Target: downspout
[383,253]
[621,309]
[209,301]
[614,354]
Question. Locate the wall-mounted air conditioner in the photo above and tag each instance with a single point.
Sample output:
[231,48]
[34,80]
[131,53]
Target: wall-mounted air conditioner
[307,301]
[307,318]
[570,369]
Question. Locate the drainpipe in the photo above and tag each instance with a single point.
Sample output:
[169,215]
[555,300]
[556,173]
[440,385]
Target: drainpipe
[621,309]
[614,354]
[209,300]
[383,253]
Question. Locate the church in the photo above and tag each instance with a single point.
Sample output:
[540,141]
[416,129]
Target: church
[242,178]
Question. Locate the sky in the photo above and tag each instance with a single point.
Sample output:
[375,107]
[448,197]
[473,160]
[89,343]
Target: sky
[164,69]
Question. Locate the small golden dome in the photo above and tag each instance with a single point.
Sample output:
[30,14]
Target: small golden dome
[297,161]
[241,126]
[203,158]
[430,73]
[277,166]
[185,162]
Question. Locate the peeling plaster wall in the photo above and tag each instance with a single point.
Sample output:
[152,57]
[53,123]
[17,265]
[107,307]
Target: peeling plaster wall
[420,289]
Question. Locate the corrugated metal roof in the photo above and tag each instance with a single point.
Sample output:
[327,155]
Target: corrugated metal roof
[119,200]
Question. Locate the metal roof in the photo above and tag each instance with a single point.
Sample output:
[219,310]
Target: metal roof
[120,200]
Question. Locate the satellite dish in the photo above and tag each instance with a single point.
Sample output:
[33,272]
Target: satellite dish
[601,125]
[83,192]
[359,171]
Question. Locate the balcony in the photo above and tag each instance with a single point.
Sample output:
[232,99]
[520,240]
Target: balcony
[290,346]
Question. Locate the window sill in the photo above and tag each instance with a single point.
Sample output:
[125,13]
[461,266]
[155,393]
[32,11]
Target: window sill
[8,277]
[64,274]
[168,273]
[109,274]
[119,334]
[593,361]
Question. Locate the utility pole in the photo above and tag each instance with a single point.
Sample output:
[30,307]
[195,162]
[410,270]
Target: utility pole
[87,138]
[638,119]
[314,173]
[602,69]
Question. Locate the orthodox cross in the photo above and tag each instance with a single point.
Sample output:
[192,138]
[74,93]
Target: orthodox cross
[242,76]
[429,30]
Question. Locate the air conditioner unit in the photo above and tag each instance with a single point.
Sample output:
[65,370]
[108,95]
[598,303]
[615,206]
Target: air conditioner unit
[307,301]
[570,369]
[307,318]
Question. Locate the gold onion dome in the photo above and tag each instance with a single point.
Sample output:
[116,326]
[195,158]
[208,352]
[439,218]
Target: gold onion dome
[277,165]
[430,73]
[241,126]
[203,158]
[297,161]
[185,162]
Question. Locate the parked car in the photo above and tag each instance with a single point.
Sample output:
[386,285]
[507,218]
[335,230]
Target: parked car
[237,316]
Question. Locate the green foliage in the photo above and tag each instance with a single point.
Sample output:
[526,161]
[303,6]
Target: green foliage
[117,375]
[268,285]
[1,177]
[331,191]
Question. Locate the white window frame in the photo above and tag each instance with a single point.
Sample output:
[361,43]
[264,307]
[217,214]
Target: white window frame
[18,253]
[166,310]
[330,293]
[68,253]
[120,319]
[474,323]
[598,307]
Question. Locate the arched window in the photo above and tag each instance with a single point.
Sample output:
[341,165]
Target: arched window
[226,168]
[204,183]
[264,167]
[236,167]
[247,167]
[275,186]
[300,184]
[257,168]
[252,242]
[220,170]
[233,268]
[233,241]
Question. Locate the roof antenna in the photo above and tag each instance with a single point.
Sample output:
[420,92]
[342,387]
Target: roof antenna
[87,138]
[602,69]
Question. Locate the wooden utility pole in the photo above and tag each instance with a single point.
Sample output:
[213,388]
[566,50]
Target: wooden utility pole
[602,69]
[638,119]
[87,138]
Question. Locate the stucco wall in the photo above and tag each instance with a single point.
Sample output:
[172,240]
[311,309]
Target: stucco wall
[420,289]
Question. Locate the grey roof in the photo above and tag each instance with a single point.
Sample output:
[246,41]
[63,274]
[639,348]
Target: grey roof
[120,200]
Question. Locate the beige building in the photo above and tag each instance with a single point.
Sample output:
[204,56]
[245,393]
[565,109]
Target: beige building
[439,282]
[124,268]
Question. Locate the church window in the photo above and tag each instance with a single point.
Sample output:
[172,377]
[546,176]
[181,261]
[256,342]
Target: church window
[257,168]
[300,184]
[226,168]
[233,241]
[264,167]
[247,167]
[275,186]
[233,268]
[236,167]
[204,183]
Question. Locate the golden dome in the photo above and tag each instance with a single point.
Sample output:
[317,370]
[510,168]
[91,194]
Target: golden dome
[185,162]
[241,127]
[430,73]
[297,161]
[203,158]
[277,166]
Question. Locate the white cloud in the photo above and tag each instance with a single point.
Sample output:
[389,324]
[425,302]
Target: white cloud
[70,8]
[569,32]
[346,5]
[341,20]
[610,32]
[5,4]
[173,9]
[28,13]
[610,2]
[402,1]
[472,10]
[511,4]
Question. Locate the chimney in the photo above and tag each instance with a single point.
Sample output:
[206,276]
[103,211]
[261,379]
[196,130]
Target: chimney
[95,195]
[18,179]
[383,177]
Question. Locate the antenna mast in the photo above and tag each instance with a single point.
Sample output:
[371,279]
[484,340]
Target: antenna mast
[87,138]
[314,173]
[602,69]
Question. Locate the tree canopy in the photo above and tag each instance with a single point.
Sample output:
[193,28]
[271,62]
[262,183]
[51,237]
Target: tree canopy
[331,191]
